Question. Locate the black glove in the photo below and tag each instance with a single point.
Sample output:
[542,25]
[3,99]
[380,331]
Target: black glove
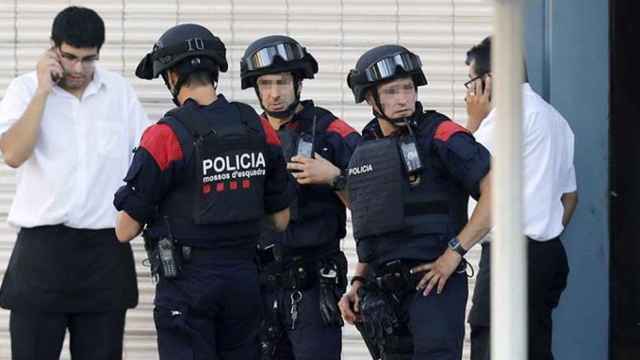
[330,295]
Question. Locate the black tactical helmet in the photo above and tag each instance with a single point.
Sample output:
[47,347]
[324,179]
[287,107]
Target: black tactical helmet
[275,54]
[381,64]
[180,43]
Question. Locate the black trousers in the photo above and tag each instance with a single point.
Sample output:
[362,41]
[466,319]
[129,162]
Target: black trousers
[548,270]
[212,310]
[93,336]
[61,278]
[311,339]
[435,323]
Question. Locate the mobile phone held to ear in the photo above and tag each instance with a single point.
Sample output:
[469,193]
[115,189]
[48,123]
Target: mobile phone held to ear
[55,77]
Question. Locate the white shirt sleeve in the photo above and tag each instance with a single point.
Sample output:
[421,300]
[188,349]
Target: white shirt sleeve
[13,104]
[138,120]
[570,182]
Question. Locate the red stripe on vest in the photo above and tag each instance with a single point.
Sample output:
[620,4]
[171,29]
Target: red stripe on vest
[447,129]
[270,134]
[163,145]
[340,127]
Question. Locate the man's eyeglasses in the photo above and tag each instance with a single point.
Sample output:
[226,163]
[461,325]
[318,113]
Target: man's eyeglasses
[468,83]
[87,61]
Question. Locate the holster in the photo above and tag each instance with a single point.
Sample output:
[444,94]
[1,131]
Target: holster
[165,256]
[395,278]
[383,325]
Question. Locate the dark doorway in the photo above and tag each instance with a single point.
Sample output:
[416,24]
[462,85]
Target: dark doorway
[625,179]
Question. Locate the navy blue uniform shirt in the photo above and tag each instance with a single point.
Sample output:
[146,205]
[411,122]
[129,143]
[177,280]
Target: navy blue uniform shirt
[336,144]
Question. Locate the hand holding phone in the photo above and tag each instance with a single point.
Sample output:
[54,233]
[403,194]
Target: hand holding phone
[49,70]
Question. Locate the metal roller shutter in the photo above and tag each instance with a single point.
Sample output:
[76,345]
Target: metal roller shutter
[336,32]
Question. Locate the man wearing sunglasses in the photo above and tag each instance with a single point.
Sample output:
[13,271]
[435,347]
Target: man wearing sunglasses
[69,128]
[550,198]
[303,271]
[408,185]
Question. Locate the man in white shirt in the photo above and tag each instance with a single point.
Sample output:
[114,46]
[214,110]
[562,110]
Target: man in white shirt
[69,128]
[549,199]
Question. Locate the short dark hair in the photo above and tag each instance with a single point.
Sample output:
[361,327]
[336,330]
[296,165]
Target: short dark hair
[79,27]
[201,77]
[480,56]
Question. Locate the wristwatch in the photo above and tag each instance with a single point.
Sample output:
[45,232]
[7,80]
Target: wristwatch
[454,244]
[339,182]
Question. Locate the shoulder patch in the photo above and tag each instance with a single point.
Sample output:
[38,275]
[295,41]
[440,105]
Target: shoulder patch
[162,143]
[340,127]
[448,128]
[270,134]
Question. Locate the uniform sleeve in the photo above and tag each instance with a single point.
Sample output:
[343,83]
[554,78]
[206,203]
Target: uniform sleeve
[14,103]
[465,159]
[343,140]
[278,185]
[153,170]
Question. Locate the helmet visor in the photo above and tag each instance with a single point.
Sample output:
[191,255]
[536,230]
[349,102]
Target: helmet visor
[386,67]
[266,56]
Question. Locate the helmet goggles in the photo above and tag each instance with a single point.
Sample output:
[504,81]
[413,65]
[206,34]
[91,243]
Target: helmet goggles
[386,68]
[266,56]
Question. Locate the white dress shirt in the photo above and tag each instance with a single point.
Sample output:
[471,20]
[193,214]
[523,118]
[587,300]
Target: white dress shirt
[82,153]
[548,170]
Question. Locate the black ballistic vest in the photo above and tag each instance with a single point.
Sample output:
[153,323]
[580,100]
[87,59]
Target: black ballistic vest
[226,183]
[415,220]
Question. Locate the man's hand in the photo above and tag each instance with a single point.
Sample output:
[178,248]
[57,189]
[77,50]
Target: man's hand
[478,102]
[318,170]
[437,272]
[48,67]
[350,304]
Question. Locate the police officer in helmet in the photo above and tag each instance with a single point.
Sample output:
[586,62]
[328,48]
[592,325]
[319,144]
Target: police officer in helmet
[302,271]
[408,185]
[202,181]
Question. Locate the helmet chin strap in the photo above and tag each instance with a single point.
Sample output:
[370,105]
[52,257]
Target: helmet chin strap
[290,110]
[176,89]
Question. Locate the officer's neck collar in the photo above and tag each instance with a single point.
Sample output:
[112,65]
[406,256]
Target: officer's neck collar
[220,99]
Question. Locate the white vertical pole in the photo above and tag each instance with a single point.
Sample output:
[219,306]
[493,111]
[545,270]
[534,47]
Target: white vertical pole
[509,248]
